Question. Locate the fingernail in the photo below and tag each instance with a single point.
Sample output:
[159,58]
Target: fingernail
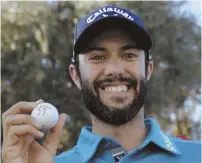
[41,134]
[39,101]
[68,118]
[31,138]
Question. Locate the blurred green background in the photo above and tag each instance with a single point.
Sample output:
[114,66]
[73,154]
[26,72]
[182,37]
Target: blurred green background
[36,48]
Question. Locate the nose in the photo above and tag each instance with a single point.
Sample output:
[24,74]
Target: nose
[114,68]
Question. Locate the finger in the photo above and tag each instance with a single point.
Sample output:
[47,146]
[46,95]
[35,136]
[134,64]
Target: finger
[39,102]
[19,119]
[16,132]
[54,136]
[19,108]
[36,148]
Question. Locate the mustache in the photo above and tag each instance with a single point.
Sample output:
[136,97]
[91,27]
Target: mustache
[131,81]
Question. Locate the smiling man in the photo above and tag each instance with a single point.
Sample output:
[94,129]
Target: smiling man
[112,79]
[112,67]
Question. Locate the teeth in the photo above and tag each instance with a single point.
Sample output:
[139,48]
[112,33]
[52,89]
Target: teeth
[121,88]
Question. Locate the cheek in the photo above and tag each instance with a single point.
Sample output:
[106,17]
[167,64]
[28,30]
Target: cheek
[137,68]
[89,73]
[134,70]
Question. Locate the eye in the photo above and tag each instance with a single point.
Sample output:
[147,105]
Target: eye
[97,57]
[129,55]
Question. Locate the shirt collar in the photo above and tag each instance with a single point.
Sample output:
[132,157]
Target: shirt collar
[158,137]
[88,142]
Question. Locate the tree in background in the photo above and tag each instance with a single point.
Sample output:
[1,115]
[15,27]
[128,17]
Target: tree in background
[37,45]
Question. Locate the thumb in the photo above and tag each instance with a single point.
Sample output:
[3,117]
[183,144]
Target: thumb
[54,136]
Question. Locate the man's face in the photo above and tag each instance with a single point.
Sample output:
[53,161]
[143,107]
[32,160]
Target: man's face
[112,78]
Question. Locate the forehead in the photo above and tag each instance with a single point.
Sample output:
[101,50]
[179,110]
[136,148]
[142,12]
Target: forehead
[113,36]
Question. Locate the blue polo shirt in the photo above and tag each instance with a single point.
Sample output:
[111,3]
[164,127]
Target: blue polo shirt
[156,148]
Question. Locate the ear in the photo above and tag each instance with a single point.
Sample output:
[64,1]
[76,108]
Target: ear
[74,75]
[149,69]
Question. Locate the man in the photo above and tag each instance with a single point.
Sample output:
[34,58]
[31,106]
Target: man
[111,66]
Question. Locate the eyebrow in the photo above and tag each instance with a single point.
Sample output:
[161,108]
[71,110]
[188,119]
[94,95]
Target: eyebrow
[126,47]
[94,49]
[129,47]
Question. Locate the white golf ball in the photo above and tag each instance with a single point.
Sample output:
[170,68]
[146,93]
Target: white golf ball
[45,114]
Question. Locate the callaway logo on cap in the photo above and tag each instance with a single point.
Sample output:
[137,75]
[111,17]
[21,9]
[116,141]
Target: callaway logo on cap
[110,17]
[107,11]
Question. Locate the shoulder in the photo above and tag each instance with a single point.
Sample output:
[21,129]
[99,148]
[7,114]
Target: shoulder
[187,146]
[70,156]
[185,142]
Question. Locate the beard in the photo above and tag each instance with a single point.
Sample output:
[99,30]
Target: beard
[113,115]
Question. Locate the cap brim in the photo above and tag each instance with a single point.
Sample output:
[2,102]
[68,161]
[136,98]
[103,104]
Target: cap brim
[139,34]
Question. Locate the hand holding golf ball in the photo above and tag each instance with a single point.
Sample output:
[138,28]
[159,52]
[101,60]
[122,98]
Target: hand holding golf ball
[46,114]
[26,134]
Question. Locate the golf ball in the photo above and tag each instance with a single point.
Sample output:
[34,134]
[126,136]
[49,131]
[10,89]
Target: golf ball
[46,114]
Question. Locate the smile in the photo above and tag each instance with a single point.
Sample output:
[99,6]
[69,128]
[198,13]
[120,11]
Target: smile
[116,87]
[120,88]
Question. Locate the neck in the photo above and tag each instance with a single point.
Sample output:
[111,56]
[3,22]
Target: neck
[129,135]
